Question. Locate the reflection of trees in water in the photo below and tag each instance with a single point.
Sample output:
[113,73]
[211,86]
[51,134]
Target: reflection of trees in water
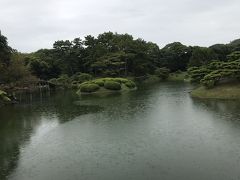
[16,127]
[228,109]
[19,122]
[67,108]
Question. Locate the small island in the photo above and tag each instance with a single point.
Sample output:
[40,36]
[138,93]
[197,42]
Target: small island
[106,85]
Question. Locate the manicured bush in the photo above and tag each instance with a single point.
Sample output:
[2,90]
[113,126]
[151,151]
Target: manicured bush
[112,85]
[99,82]
[108,79]
[130,84]
[120,80]
[89,87]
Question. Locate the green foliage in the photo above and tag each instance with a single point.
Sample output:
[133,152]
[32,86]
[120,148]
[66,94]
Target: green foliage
[114,55]
[5,51]
[201,56]
[89,87]
[81,77]
[130,84]
[221,51]
[53,81]
[197,73]
[163,73]
[175,56]
[112,64]
[13,69]
[99,82]
[209,83]
[234,45]
[4,97]
[120,80]
[73,81]
[16,72]
[112,85]
[210,75]
[234,56]
[109,54]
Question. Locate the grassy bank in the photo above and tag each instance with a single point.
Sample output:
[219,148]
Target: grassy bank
[224,91]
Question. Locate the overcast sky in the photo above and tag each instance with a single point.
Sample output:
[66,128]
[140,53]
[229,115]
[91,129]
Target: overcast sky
[32,24]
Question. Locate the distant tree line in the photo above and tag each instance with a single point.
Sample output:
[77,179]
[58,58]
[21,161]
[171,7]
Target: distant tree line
[108,55]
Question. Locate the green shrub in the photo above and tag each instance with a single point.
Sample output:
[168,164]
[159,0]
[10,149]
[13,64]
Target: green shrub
[108,79]
[197,73]
[53,81]
[112,85]
[106,83]
[89,87]
[3,96]
[209,84]
[130,84]
[81,77]
[163,73]
[120,80]
[64,80]
[99,82]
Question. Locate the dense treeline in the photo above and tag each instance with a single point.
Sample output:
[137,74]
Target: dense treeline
[217,71]
[107,55]
[13,67]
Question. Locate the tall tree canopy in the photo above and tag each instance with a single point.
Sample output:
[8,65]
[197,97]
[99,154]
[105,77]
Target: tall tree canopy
[113,54]
[5,50]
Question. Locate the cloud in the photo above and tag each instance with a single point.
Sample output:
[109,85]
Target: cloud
[31,25]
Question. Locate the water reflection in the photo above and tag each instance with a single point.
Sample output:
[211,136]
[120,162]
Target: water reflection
[229,109]
[156,132]
[36,115]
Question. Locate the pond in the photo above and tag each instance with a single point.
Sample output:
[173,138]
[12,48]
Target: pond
[156,132]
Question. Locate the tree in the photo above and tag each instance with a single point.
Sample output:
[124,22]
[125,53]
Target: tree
[175,56]
[163,73]
[221,51]
[5,50]
[201,56]
[211,74]
[234,56]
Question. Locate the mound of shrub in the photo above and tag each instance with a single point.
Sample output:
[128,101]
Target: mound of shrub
[130,84]
[89,87]
[112,85]
[99,82]
[109,84]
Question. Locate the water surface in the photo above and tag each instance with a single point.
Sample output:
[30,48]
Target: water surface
[156,132]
